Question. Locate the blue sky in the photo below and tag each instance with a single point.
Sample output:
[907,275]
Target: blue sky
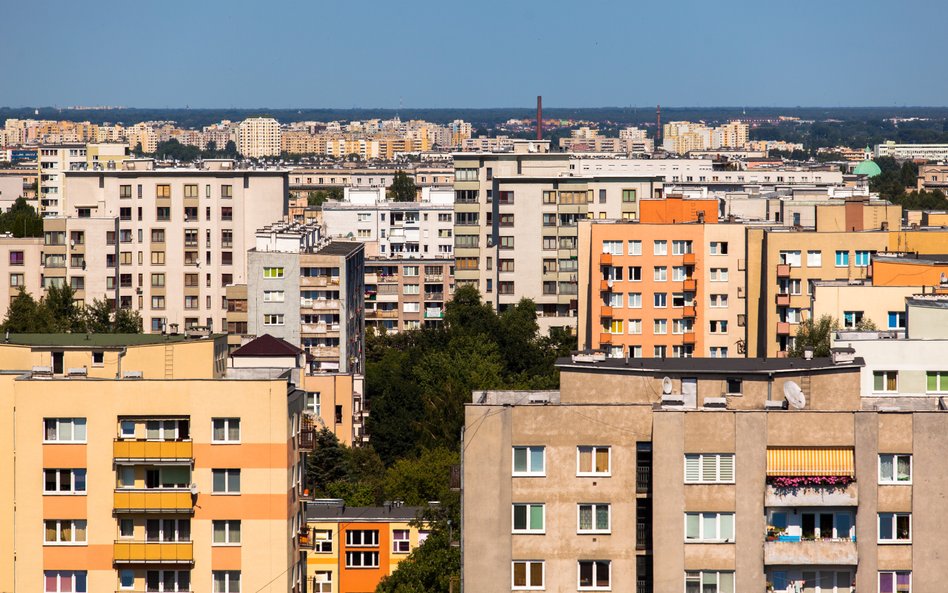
[483,53]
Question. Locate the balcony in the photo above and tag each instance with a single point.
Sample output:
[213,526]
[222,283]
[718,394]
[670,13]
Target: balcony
[371,278]
[783,328]
[434,277]
[434,296]
[387,278]
[434,313]
[643,479]
[605,311]
[383,314]
[605,338]
[688,337]
[783,300]
[816,496]
[150,451]
[157,500]
[314,281]
[688,259]
[836,552]
[783,271]
[689,311]
[605,285]
[324,352]
[690,285]
[605,259]
[325,304]
[132,552]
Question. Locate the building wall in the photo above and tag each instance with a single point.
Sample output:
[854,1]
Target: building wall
[389,303]
[28,273]
[875,302]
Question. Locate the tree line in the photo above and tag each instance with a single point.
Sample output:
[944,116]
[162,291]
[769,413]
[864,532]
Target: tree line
[21,220]
[58,312]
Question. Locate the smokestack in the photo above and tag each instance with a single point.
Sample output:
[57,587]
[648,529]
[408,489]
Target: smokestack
[539,117]
[658,125]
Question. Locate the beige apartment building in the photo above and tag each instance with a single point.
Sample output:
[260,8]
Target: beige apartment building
[136,464]
[402,293]
[516,212]
[693,475]
[164,242]
[258,137]
[22,260]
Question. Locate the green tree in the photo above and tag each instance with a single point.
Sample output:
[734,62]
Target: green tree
[21,220]
[430,568]
[419,480]
[26,316]
[402,188]
[816,335]
[321,196]
[99,317]
[64,314]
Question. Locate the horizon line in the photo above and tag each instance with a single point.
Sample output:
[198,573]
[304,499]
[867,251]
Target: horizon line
[408,108]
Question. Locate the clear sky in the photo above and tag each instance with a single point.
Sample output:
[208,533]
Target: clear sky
[480,53]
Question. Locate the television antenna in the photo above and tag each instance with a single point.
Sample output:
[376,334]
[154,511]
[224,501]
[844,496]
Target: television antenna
[794,395]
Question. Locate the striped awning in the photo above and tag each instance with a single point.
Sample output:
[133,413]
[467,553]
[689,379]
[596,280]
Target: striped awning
[810,461]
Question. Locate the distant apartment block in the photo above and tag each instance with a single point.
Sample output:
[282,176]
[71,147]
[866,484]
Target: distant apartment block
[403,293]
[911,152]
[21,260]
[258,137]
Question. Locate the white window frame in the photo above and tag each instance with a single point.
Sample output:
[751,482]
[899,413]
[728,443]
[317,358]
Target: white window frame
[274,319]
[660,274]
[274,296]
[893,517]
[362,555]
[373,541]
[592,456]
[703,537]
[635,300]
[527,530]
[529,586]
[73,473]
[635,247]
[396,548]
[660,247]
[72,574]
[635,326]
[530,472]
[814,258]
[895,460]
[895,577]
[126,572]
[593,587]
[700,575]
[73,423]
[74,523]
[700,457]
[227,524]
[226,491]
[226,426]
[229,586]
[593,507]
[274,272]
[941,381]
[885,381]
[322,541]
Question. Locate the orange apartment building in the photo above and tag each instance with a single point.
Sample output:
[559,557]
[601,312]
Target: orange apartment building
[662,289]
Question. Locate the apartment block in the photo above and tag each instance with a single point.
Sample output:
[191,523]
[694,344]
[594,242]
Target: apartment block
[516,225]
[912,152]
[22,258]
[403,293]
[127,474]
[164,242]
[258,137]
[309,292]
[52,164]
[662,290]
[697,475]
[354,548]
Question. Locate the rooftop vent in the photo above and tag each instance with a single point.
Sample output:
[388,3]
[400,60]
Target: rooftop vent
[42,372]
[775,404]
[589,357]
[77,373]
[715,403]
[132,375]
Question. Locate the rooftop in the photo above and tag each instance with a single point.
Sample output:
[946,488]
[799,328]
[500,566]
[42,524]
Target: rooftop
[336,247]
[90,340]
[332,510]
[267,345]
[745,366]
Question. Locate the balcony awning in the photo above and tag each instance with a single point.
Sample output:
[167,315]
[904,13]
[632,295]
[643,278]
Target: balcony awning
[810,461]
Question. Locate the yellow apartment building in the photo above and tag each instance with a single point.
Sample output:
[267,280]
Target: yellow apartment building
[151,478]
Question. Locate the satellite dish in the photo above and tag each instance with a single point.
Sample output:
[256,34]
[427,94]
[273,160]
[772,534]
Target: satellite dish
[667,385]
[794,395]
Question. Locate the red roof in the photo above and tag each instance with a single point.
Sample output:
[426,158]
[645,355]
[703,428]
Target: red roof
[267,345]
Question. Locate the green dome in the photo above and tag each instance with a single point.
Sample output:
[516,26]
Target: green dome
[867,168]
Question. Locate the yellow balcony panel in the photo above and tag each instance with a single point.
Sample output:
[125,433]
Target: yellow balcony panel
[152,450]
[153,501]
[135,552]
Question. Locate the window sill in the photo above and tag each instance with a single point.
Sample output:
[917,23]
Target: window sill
[894,542]
[220,493]
[65,442]
[908,483]
[543,475]
[65,493]
[522,532]
[225,442]
[225,545]
[593,532]
[593,475]
[66,544]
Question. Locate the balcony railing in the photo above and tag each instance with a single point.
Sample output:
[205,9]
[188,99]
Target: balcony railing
[605,338]
[783,271]
[783,300]
[153,500]
[605,259]
[783,328]
[643,479]
[605,311]
[837,552]
[133,552]
[137,450]
[688,259]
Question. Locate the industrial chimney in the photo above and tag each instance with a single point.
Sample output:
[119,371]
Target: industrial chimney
[539,117]
[658,124]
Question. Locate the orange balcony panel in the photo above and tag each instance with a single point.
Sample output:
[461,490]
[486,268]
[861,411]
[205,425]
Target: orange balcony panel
[153,501]
[688,259]
[783,271]
[152,450]
[689,312]
[605,259]
[604,286]
[605,338]
[783,328]
[690,285]
[134,552]
[783,300]
[689,337]
[605,312]
[783,354]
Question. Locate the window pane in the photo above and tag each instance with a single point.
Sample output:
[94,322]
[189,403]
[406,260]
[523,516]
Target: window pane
[885,467]
[885,526]
[602,460]
[726,583]
[709,523]
[520,574]
[843,525]
[727,527]
[585,574]
[520,459]
[585,459]
[904,468]
[886,584]
[536,459]
[233,432]
[235,532]
[602,517]
[585,517]
[233,480]
[536,574]
[219,480]
[218,430]
[692,526]
[902,527]
[602,574]
[536,516]
[219,532]
[709,468]
[520,516]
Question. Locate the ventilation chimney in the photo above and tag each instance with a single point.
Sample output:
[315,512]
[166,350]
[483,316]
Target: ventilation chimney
[539,117]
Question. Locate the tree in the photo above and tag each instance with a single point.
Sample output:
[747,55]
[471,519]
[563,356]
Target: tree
[25,316]
[402,188]
[22,220]
[430,568]
[419,480]
[321,196]
[65,315]
[815,335]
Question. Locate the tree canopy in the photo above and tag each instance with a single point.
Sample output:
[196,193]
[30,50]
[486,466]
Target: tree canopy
[22,220]
[402,188]
[59,312]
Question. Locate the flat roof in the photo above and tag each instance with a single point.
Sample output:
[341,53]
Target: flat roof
[745,366]
[338,248]
[920,258]
[102,340]
[317,511]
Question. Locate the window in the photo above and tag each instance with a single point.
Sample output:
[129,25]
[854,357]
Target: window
[225,430]
[895,581]
[814,259]
[635,300]
[227,191]
[718,326]
[660,327]
[885,381]
[635,326]
[16,258]
[65,531]
[226,481]
[125,191]
[709,581]
[893,528]
[718,247]
[362,537]
[660,274]
[64,481]
[635,273]
[614,300]
[157,303]
[273,272]
[401,543]
[842,259]
[851,319]
[226,581]
[678,274]
[191,302]
[163,191]
[628,195]
[593,461]
[718,274]
[709,468]
[65,581]
[863,259]
[593,518]
[227,213]
[362,559]
[660,300]
[896,319]
[527,574]
[157,280]
[594,575]
[660,248]
[734,386]
[616,327]
[895,469]
[322,541]
[274,296]
[529,461]
[718,301]
[163,213]
[528,518]
[17,280]
[790,258]
[226,532]
[718,351]
[635,248]
[64,430]
[273,319]
[126,575]
[709,527]
[681,247]
[126,528]
[506,242]
[612,247]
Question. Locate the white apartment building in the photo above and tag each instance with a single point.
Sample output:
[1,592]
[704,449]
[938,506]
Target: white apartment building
[903,152]
[52,163]
[398,229]
[165,242]
[258,137]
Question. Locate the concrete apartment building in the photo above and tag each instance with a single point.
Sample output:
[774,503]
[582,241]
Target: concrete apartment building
[54,161]
[407,293]
[516,224]
[258,137]
[912,152]
[309,292]
[165,242]
[136,464]
[22,261]
[931,177]
[691,475]
[11,188]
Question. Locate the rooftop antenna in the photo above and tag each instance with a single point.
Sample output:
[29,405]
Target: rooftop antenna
[667,386]
[794,395]
[539,117]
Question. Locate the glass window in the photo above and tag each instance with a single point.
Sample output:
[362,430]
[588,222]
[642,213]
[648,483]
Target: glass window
[709,468]
[842,259]
[226,532]
[895,528]
[593,461]
[528,461]
[527,574]
[895,469]
[225,430]
[714,527]
[594,575]
[885,381]
[226,581]
[593,518]
[936,381]
[528,518]
[895,581]
[226,481]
